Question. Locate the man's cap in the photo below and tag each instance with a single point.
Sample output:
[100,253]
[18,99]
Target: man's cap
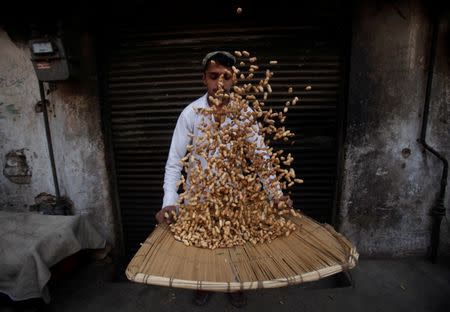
[222,57]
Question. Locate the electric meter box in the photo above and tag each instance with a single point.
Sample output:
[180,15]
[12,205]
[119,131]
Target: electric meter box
[49,59]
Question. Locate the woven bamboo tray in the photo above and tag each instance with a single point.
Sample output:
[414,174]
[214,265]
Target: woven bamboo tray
[312,252]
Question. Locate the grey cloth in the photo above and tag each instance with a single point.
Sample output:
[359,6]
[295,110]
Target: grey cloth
[30,243]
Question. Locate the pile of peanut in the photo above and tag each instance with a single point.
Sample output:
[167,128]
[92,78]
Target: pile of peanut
[231,198]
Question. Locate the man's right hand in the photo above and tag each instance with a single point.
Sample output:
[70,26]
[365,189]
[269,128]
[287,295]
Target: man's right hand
[162,217]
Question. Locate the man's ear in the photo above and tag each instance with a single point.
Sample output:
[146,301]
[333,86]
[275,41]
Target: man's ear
[204,79]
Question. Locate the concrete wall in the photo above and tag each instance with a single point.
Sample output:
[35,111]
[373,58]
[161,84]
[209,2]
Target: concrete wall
[439,126]
[390,183]
[75,123]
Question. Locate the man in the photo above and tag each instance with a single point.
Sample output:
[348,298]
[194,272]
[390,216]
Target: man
[215,64]
[217,69]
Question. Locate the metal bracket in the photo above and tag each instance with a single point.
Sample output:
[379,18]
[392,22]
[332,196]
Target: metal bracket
[38,107]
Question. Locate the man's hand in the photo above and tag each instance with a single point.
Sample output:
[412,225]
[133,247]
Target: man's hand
[165,214]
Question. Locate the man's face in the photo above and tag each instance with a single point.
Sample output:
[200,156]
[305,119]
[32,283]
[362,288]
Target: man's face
[215,73]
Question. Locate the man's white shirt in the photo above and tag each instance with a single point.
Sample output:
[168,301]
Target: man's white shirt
[187,124]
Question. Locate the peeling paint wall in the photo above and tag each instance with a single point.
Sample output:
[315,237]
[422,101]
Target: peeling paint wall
[75,124]
[390,183]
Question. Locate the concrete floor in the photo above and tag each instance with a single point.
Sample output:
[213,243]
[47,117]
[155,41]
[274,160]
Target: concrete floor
[378,285]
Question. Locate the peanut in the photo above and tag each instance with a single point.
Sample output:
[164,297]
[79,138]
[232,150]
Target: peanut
[225,203]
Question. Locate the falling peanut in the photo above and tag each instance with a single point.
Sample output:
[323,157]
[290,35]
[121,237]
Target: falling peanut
[228,200]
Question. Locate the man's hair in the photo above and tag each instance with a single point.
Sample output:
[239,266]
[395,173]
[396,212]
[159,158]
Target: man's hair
[223,58]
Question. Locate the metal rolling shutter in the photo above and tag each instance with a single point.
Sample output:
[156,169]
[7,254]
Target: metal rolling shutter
[154,75]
